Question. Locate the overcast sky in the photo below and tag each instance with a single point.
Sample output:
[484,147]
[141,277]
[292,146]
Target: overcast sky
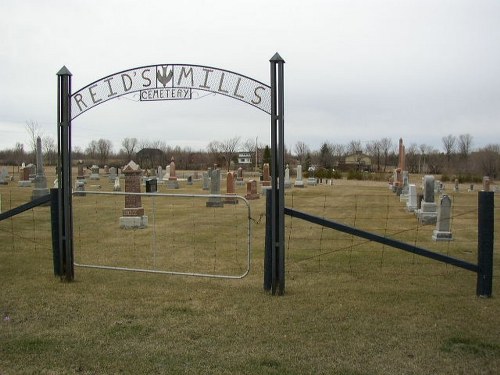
[355,70]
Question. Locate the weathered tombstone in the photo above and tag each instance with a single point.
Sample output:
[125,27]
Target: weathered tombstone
[486,183]
[79,187]
[456,185]
[40,180]
[398,173]
[252,190]
[411,204]
[311,180]
[172,182]
[206,180]
[215,189]
[106,169]
[159,173]
[151,185]
[266,178]
[133,213]
[4,176]
[438,186]
[166,176]
[94,175]
[287,182]
[298,181]
[31,171]
[116,186]
[471,188]
[190,180]
[112,174]
[24,179]
[428,211]
[239,177]
[79,174]
[443,223]
[230,189]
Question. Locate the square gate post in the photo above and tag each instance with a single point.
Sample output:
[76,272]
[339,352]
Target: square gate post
[277,176]
[65,216]
[485,235]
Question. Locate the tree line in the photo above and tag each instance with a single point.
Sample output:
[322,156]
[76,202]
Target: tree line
[457,157]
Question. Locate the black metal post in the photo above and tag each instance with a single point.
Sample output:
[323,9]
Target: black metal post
[268,259]
[485,235]
[65,216]
[54,219]
[277,175]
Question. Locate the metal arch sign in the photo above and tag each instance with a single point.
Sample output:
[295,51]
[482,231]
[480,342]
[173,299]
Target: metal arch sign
[171,82]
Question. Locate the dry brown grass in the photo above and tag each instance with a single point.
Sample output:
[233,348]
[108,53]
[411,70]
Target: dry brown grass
[351,306]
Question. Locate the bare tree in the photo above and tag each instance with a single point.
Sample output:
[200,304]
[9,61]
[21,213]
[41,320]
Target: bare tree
[449,146]
[91,150]
[34,131]
[464,145]
[386,146]
[214,151]
[354,147]
[49,150]
[301,150]
[374,149]
[228,150]
[129,146]
[104,147]
[489,160]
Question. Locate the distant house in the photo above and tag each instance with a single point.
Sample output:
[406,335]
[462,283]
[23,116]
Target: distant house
[244,158]
[357,161]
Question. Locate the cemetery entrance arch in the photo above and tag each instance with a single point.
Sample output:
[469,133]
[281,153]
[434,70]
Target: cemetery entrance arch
[173,82]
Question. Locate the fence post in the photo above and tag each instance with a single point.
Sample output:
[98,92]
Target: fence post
[485,226]
[54,219]
[268,257]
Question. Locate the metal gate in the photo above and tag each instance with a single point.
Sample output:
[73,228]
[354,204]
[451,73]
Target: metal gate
[183,235]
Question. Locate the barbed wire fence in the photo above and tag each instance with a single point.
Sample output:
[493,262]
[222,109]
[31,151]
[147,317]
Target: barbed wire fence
[311,248]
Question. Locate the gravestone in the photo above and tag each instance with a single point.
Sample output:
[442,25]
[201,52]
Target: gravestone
[311,181]
[252,190]
[266,178]
[31,171]
[116,186]
[106,169]
[159,174]
[215,189]
[133,213]
[190,180]
[428,211]
[411,204]
[239,177]
[112,174]
[94,173]
[166,175]
[79,187]
[298,181]
[230,189]
[151,185]
[24,178]
[456,186]
[40,180]
[486,183]
[79,174]
[443,224]
[4,176]
[206,180]
[172,182]
[287,182]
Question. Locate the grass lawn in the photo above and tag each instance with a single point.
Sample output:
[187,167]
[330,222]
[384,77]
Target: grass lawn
[350,306]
